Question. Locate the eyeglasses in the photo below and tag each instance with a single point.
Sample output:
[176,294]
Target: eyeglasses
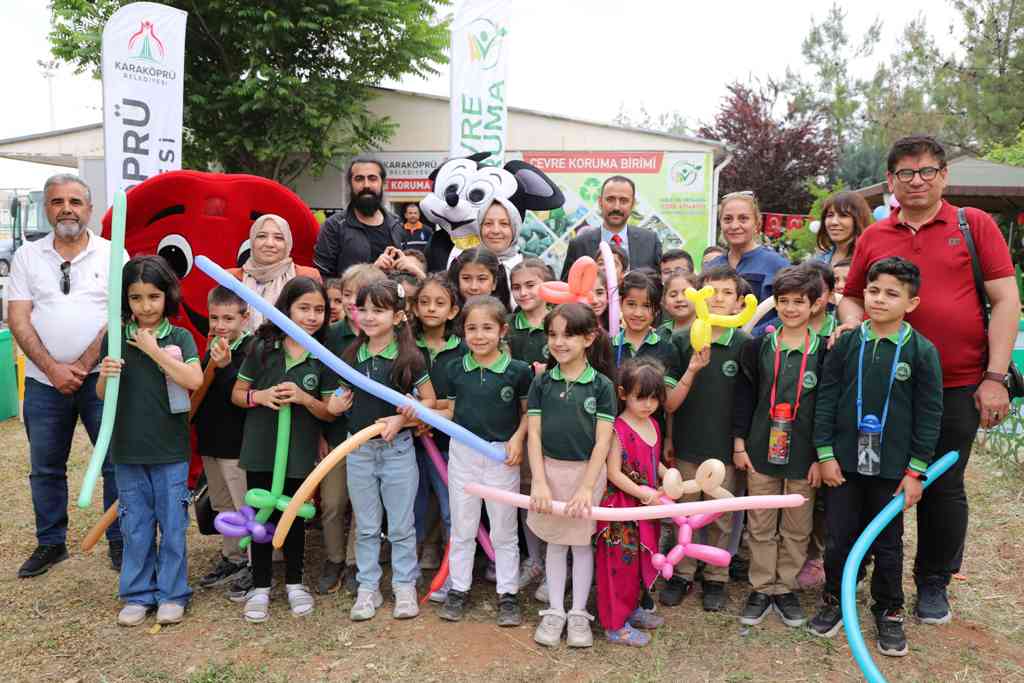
[65,277]
[741,193]
[927,174]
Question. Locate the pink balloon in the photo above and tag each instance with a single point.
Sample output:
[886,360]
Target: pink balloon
[675,556]
[685,536]
[679,520]
[644,512]
[667,570]
[716,556]
[435,456]
[657,559]
[697,521]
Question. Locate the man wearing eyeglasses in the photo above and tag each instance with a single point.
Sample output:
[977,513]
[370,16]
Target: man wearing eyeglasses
[926,230]
[58,310]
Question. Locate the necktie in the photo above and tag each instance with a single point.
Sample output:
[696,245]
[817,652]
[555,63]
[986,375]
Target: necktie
[617,240]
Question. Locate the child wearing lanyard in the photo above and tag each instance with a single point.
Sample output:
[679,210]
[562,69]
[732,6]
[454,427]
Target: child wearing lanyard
[772,429]
[877,422]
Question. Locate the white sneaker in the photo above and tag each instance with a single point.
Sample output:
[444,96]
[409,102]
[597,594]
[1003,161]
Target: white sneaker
[132,614]
[441,594]
[529,571]
[366,605]
[406,604]
[257,605]
[299,599]
[541,594]
[549,630]
[170,613]
[578,633]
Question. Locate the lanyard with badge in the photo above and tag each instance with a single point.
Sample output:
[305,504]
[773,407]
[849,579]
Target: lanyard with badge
[783,415]
[869,428]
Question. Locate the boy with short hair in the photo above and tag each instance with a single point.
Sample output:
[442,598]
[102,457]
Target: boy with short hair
[773,442]
[823,319]
[841,269]
[877,423]
[701,407]
[675,259]
[219,423]
[710,254]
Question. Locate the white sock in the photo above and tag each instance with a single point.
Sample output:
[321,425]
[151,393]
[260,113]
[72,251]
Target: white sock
[582,576]
[555,571]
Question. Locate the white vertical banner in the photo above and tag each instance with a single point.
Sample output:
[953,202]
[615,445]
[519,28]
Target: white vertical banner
[143,88]
[479,64]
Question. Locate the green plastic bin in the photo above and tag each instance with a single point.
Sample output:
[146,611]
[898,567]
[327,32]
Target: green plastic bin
[1018,348]
[8,377]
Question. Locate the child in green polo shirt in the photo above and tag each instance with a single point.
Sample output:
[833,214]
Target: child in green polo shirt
[477,272]
[701,407]
[382,473]
[150,442]
[773,442]
[528,342]
[571,409]
[640,297]
[486,376]
[278,371]
[877,423]
[334,299]
[219,423]
[677,311]
[436,308]
[339,534]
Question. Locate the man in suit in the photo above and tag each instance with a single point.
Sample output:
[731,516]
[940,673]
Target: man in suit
[618,195]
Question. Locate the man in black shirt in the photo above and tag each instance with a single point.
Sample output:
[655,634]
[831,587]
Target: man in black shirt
[365,231]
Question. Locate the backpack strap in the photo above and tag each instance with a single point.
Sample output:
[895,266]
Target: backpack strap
[979,280]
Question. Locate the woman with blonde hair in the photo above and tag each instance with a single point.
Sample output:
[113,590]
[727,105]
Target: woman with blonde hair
[739,218]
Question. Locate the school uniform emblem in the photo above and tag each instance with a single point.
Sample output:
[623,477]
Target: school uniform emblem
[730,368]
[507,394]
[544,351]
[902,371]
[309,382]
[810,380]
[590,405]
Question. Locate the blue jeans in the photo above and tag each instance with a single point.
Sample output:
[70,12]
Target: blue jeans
[50,419]
[154,496]
[384,476]
[430,479]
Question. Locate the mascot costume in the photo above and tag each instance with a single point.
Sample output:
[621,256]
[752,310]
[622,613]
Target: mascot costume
[461,189]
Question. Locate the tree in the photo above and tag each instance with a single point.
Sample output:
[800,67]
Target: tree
[276,88]
[774,158]
[673,122]
[1009,154]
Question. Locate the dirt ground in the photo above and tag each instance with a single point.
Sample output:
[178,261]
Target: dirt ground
[62,626]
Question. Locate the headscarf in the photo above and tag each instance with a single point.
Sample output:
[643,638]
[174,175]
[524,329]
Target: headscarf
[268,280]
[513,218]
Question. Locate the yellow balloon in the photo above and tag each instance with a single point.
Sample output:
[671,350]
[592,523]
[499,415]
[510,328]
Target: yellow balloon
[700,329]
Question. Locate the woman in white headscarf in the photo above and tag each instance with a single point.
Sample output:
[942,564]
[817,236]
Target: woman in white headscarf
[499,223]
[270,263]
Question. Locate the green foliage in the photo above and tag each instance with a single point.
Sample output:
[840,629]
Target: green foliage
[276,88]
[673,122]
[1009,154]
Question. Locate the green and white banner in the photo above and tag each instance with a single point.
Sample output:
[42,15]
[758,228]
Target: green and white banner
[479,64]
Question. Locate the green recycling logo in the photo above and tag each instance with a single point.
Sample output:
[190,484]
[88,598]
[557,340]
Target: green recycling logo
[507,393]
[730,368]
[685,173]
[310,381]
[485,42]
[590,190]
[810,380]
[902,371]
[590,405]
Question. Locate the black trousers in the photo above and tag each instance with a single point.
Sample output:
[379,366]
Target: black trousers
[294,543]
[849,508]
[942,512]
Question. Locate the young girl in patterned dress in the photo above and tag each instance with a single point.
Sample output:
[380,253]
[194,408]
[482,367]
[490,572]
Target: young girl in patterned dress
[625,574]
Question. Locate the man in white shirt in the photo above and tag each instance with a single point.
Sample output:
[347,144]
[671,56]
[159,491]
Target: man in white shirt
[58,311]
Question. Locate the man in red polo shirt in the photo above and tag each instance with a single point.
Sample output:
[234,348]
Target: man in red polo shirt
[925,230]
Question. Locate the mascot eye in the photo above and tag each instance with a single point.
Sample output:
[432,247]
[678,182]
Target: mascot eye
[244,251]
[480,192]
[176,251]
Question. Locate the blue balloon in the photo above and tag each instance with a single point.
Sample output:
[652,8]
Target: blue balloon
[849,587]
[345,371]
[880,212]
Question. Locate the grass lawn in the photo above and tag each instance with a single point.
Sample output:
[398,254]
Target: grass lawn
[62,626]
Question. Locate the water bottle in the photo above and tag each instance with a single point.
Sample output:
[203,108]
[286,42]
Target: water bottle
[869,446]
[177,395]
[779,434]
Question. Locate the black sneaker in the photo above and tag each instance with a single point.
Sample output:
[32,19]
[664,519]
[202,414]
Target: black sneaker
[787,606]
[739,568]
[454,606]
[829,619]
[351,583]
[756,608]
[240,587]
[115,551]
[223,572]
[509,613]
[42,558]
[674,591]
[932,604]
[330,577]
[714,597]
[891,640]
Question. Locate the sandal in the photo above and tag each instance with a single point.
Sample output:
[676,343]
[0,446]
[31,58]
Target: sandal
[257,605]
[300,599]
[627,635]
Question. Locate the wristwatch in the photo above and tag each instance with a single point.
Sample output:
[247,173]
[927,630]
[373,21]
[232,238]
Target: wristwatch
[998,377]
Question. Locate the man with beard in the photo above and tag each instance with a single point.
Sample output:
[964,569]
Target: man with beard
[365,233]
[58,312]
[618,196]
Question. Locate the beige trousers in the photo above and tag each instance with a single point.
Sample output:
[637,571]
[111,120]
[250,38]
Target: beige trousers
[339,533]
[778,538]
[718,532]
[225,481]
